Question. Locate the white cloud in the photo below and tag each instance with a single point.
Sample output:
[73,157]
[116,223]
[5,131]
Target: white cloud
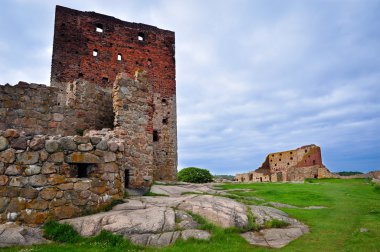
[252,76]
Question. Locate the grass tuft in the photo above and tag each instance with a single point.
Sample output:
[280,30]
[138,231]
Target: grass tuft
[60,232]
[274,223]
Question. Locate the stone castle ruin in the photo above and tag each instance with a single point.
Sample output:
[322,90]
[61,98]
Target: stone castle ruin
[106,123]
[291,165]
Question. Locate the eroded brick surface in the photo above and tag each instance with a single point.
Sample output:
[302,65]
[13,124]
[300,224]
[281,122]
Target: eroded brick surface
[121,47]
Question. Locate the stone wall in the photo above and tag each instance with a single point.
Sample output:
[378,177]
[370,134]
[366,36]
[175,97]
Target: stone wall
[58,177]
[40,109]
[253,177]
[291,165]
[121,47]
[133,106]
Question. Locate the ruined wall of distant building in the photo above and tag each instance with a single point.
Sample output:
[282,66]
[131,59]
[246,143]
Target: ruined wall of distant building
[291,165]
[97,47]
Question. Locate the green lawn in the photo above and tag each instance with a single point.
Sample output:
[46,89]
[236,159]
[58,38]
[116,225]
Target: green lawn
[351,205]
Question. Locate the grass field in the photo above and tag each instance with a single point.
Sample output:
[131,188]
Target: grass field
[351,205]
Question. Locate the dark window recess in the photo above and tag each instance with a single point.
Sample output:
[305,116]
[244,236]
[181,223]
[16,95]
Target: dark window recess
[80,75]
[149,62]
[279,159]
[288,163]
[164,101]
[99,28]
[165,121]
[155,136]
[95,53]
[313,162]
[105,79]
[291,158]
[126,178]
[141,36]
[305,151]
[291,152]
[83,170]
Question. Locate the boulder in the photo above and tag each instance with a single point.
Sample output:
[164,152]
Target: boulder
[68,144]
[48,193]
[20,143]
[185,220]
[196,234]
[51,146]
[3,180]
[12,235]
[102,145]
[32,170]
[28,157]
[141,221]
[3,143]
[130,204]
[13,170]
[221,211]
[7,156]
[79,157]
[38,180]
[29,193]
[48,168]
[81,139]
[274,237]
[37,143]
[11,133]
[57,157]
[85,147]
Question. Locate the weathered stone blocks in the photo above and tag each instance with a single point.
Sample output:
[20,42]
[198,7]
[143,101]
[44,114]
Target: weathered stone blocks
[56,178]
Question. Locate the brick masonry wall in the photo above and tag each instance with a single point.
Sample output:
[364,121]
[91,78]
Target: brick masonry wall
[45,177]
[141,47]
[40,109]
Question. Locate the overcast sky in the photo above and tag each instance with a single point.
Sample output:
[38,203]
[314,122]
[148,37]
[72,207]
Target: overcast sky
[253,77]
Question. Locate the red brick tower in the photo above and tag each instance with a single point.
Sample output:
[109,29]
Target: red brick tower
[97,47]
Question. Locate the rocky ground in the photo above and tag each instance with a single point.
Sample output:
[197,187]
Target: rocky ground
[161,220]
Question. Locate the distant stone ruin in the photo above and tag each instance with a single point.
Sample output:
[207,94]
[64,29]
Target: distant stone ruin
[107,122]
[291,165]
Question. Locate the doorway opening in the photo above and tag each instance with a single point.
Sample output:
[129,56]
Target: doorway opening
[126,178]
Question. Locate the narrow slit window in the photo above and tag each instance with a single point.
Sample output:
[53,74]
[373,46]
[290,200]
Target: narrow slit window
[155,136]
[95,53]
[141,36]
[119,57]
[99,28]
